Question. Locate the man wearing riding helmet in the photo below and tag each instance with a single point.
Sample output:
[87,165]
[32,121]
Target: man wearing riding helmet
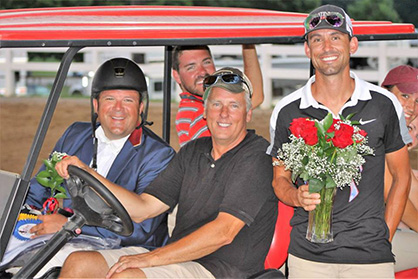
[118,146]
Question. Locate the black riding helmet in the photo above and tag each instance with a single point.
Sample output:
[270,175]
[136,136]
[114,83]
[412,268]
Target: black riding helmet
[118,73]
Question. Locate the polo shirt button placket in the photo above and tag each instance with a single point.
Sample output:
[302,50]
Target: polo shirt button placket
[212,165]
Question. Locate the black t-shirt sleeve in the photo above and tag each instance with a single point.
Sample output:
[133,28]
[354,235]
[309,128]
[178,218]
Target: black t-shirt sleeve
[166,186]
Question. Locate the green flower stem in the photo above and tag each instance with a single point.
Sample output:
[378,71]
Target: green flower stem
[333,155]
[322,217]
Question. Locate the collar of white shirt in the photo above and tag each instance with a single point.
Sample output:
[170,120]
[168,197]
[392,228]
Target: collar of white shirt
[114,145]
[107,151]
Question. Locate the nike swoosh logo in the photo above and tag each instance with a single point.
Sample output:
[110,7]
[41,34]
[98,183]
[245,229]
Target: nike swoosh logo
[364,122]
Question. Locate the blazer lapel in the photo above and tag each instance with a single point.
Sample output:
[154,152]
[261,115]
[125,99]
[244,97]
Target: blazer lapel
[121,161]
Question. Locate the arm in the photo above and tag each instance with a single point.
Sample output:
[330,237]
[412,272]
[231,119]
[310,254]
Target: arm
[289,194]
[148,162]
[253,71]
[150,206]
[410,215]
[198,244]
[398,166]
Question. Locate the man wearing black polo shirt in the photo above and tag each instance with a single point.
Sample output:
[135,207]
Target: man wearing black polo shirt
[222,184]
[363,227]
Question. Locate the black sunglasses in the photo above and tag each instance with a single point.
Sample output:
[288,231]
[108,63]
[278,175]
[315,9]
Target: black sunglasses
[226,78]
[333,18]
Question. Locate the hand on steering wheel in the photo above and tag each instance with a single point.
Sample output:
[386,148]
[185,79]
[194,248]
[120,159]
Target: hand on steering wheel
[96,204]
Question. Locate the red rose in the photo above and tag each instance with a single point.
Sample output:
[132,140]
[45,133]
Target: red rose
[331,129]
[297,126]
[304,128]
[311,136]
[343,137]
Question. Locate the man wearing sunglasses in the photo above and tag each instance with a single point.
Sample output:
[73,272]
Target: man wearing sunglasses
[364,226]
[191,64]
[222,184]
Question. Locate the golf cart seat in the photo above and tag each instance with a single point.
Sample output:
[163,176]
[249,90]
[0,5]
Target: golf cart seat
[277,255]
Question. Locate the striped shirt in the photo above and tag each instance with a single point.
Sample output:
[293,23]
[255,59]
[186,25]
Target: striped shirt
[190,123]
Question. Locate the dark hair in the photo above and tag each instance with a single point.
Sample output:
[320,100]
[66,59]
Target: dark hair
[179,49]
[388,87]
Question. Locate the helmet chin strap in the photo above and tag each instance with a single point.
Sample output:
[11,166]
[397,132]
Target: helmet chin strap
[144,122]
[95,140]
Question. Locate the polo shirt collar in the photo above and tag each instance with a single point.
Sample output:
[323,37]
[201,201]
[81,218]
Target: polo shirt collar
[208,148]
[361,93]
[190,96]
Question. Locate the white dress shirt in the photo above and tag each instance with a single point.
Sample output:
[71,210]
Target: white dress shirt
[107,150]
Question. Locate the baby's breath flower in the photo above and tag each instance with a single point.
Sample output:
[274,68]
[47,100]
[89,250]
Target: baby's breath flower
[324,161]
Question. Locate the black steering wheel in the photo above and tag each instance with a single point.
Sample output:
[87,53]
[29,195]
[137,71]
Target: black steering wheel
[96,204]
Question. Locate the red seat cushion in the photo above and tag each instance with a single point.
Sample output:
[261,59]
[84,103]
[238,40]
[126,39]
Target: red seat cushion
[409,273]
[278,249]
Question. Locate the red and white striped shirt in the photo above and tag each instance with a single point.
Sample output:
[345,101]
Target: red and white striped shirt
[190,123]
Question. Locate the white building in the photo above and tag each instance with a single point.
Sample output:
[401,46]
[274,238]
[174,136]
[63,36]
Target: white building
[284,67]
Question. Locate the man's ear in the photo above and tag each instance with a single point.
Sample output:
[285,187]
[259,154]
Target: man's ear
[141,108]
[95,105]
[353,45]
[249,115]
[176,76]
[307,50]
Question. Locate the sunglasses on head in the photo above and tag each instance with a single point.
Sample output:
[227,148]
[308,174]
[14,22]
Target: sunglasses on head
[332,18]
[226,78]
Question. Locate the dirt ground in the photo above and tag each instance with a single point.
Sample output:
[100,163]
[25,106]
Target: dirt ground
[19,120]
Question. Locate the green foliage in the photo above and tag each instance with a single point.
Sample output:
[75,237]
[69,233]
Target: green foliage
[373,10]
[50,178]
[407,12]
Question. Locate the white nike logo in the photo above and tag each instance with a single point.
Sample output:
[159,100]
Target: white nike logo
[364,122]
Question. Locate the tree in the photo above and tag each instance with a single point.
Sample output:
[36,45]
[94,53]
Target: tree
[284,5]
[407,12]
[373,10]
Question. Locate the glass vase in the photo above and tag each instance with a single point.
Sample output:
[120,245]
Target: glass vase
[320,219]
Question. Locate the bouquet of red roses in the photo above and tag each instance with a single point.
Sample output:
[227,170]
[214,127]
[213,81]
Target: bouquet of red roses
[326,154]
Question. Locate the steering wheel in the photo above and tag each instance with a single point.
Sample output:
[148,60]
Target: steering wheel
[93,202]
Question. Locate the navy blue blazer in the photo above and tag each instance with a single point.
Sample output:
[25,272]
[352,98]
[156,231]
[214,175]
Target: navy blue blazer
[142,157]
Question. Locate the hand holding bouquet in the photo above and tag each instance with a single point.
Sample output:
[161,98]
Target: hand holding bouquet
[325,154]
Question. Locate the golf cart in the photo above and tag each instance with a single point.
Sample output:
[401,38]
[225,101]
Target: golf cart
[76,28]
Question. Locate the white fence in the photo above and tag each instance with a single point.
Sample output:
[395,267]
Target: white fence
[284,67]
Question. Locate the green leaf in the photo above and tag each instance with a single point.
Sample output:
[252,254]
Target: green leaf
[44,181]
[55,174]
[60,196]
[321,131]
[294,177]
[304,176]
[59,180]
[328,121]
[305,160]
[350,116]
[330,135]
[51,184]
[43,173]
[315,185]
[330,183]
[48,164]
[60,189]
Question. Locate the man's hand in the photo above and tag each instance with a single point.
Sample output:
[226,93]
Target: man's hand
[62,166]
[133,261]
[306,200]
[50,224]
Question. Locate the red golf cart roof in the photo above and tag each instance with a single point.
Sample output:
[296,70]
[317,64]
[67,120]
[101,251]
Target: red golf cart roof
[166,25]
